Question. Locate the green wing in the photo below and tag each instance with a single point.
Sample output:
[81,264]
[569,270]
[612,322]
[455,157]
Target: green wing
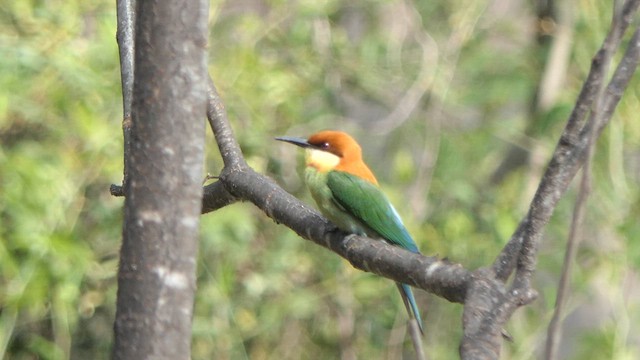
[369,204]
[371,207]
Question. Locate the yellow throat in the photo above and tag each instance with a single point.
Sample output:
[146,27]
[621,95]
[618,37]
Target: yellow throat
[322,160]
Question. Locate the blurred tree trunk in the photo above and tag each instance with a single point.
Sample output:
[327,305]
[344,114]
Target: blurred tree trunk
[156,278]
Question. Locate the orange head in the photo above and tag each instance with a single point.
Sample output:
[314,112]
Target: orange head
[334,150]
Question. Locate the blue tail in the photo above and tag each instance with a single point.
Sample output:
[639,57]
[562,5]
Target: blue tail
[410,304]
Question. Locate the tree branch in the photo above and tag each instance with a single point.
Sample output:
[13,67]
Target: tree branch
[569,154]
[219,121]
[630,60]
[126,47]
[621,77]
[554,332]
[484,318]
[216,196]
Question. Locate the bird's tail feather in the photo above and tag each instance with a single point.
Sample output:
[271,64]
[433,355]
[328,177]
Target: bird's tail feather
[410,304]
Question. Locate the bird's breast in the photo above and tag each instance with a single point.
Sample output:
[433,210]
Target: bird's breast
[317,183]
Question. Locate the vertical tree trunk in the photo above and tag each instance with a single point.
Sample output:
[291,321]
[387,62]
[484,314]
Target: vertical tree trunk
[156,278]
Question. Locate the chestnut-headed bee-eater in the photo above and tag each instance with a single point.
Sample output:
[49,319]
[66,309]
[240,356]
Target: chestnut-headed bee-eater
[347,193]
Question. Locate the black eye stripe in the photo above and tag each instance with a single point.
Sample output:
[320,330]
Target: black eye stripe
[326,146]
[321,145]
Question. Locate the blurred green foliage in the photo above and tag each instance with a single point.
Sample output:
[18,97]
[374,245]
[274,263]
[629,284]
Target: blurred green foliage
[438,93]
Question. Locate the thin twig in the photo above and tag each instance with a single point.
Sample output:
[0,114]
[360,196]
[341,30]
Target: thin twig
[554,332]
[621,77]
[215,195]
[126,46]
[125,35]
[219,121]
[416,339]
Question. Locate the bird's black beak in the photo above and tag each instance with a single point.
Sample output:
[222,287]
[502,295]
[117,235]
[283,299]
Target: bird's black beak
[295,141]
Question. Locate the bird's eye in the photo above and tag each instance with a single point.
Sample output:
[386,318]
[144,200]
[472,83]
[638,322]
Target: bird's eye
[324,145]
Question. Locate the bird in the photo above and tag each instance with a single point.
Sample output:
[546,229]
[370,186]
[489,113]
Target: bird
[348,194]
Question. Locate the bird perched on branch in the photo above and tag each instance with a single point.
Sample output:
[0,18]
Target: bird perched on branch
[347,193]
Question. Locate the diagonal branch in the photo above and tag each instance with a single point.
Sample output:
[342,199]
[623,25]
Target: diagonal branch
[485,315]
[620,79]
[569,154]
[243,183]
[554,332]
[599,112]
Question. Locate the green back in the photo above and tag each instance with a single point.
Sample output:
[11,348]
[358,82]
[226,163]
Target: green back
[369,204]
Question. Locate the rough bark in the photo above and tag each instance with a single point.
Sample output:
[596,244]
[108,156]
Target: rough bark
[156,278]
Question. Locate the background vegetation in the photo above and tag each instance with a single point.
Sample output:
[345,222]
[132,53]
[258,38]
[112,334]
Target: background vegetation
[443,97]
